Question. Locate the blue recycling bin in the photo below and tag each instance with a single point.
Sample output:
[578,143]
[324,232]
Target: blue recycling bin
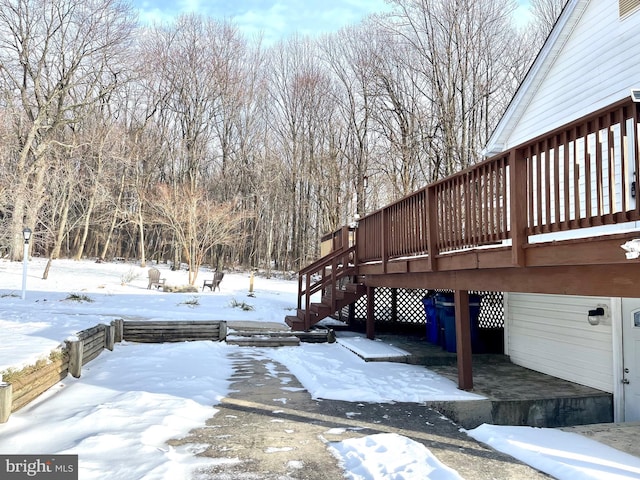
[446,315]
[431,319]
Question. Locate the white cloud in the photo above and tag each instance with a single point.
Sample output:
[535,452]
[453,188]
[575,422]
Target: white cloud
[275,19]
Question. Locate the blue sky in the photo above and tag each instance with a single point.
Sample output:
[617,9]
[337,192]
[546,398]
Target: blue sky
[275,19]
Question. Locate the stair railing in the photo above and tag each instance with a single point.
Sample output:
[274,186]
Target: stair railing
[322,274]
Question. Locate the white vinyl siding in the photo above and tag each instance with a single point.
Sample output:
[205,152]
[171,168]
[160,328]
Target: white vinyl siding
[597,66]
[551,334]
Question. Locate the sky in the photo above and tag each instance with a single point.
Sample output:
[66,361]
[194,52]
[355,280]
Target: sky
[275,19]
[139,396]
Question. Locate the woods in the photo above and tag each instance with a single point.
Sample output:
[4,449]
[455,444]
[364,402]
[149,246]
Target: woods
[190,143]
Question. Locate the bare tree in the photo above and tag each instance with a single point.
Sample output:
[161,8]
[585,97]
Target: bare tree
[189,78]
[301,112]
[352,60]
[403,118]
[62,194]
[48,49]
[198,223]
[457,49]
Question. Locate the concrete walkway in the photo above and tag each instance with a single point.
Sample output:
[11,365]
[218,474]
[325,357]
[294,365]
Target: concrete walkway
[270,428]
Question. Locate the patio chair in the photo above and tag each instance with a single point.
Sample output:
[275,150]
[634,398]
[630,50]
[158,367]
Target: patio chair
[154,279]
[215,283]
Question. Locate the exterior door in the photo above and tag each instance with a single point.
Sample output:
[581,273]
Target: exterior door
[631,358]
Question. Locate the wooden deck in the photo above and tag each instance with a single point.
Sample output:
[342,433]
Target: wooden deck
[548,216]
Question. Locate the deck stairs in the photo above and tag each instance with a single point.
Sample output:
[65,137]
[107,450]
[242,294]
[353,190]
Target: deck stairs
[333,283]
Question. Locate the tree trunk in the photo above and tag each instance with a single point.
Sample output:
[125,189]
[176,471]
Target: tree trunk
[57,244]
[114,218]
[143,260]
[85,227]
[45,275]
[92,202]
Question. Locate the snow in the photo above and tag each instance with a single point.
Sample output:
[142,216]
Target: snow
[133,401]
[396,457]
[140,396]
[315,366]
[561,454]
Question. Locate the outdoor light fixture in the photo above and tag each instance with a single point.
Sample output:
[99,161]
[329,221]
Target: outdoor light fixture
[635,95]
[26,234]
[598,314]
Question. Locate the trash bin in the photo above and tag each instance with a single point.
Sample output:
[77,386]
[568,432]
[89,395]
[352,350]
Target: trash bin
[431,318]
[446,314]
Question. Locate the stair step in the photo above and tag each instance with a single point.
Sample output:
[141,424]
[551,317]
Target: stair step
[263,341]
[320,309]
[339,294]
[349,297]
[294,322]
[252,338]
[351,292]
[266,333]
[312,315]
[357,288]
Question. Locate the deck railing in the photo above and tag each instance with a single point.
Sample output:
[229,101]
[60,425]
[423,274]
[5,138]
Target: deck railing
[471,208]
[326,273]
[580,175]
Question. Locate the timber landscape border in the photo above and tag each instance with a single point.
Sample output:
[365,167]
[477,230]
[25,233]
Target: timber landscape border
[17,392]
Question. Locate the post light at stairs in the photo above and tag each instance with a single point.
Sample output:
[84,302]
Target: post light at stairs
[26,234]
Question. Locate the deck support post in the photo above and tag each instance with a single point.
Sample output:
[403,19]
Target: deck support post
[430,227]
[371,313]
[463,340]
[346,238]
[394,305]
[383,237]
[518,207]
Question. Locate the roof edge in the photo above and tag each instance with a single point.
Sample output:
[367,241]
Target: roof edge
[546,57]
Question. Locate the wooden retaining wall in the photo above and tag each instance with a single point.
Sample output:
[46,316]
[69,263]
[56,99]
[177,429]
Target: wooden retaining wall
[29,387]
[89,344]
[174,331]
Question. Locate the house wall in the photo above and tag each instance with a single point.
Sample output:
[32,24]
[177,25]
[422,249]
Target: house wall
[597,66]
[551,334]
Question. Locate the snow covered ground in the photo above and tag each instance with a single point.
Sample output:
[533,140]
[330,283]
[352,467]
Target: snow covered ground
[140,396]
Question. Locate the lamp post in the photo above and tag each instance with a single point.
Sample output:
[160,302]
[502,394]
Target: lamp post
[26,234]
